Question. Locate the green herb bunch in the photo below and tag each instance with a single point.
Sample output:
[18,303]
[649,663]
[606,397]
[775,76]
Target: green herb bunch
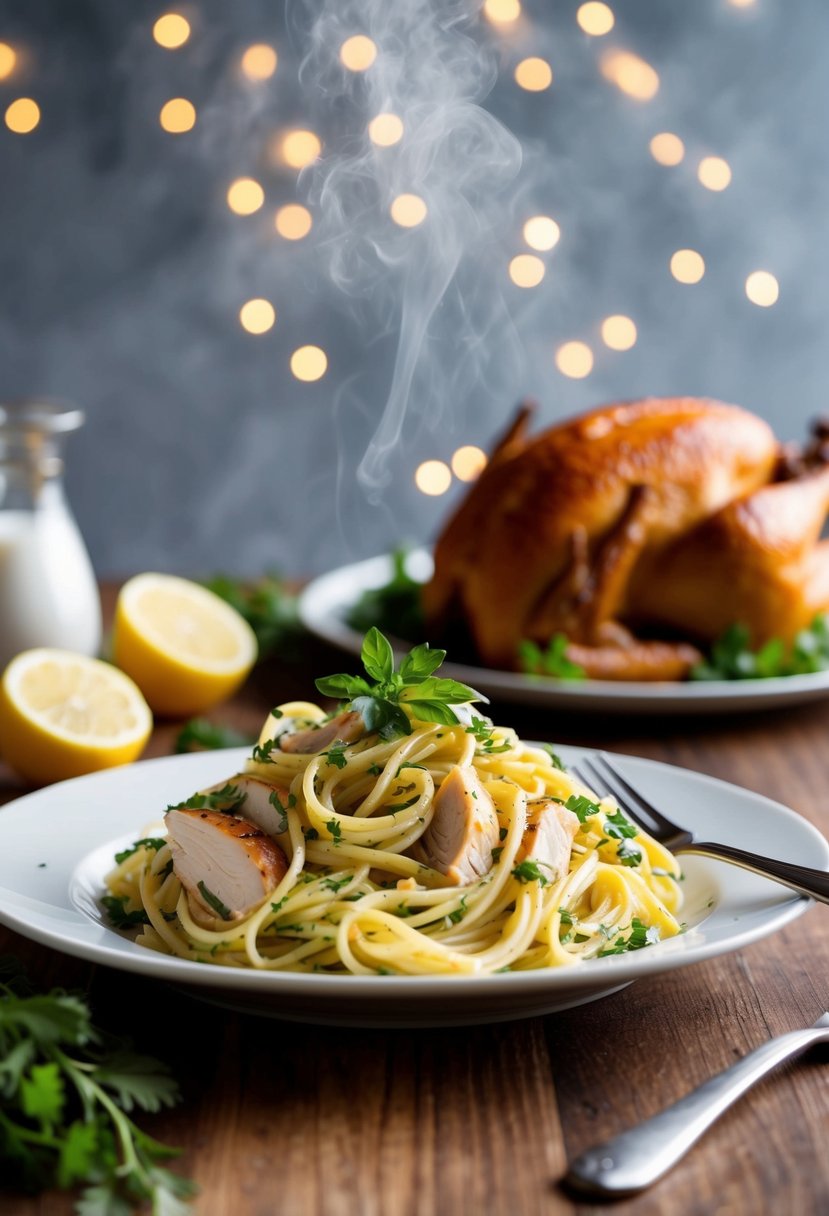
[65,1090]
[732,658]
[396,606]
[552,661]
[380,699]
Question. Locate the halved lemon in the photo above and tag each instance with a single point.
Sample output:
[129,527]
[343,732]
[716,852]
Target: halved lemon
[185,647]
[63,714]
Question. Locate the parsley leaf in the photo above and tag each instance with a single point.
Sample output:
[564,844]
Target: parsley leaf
[149,842]
[582,806]
[229,799]
[640,936]
[119,917]
[336,755]
[528,871]
[200,735]
[215,903]
[731,656]
[628,853]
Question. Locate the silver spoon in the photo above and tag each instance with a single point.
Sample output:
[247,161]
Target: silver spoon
[632,1161]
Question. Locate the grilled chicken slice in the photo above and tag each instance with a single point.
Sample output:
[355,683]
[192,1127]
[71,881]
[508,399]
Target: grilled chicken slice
[260,802]
[345,728]
[548,837]
[226,864]
[464,828]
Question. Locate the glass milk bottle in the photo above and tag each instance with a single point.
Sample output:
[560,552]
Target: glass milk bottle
[48,593]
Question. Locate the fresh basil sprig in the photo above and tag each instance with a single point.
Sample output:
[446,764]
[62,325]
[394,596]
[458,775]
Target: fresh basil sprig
[379,699]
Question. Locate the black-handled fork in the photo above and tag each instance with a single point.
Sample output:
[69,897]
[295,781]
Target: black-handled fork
[598,773]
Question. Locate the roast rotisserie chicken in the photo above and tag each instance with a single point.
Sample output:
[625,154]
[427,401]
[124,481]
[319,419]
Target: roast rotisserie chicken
[640,531]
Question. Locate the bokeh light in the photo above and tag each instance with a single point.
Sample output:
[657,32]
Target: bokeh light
[630,74]
[408,210]
[385,130]
[309,363]
[8,58]
[502,12]
[741,3]
[171,31]
[541,232]
[244,196]
[762,288]
[178,115]
[534,74]
[259,61]
[257,316]
[595,18]
[468,462]
[293,221]
[23,115]
[618,332]
[574,359]
[433,477]
[687,266]
[714,173]
[300,148]
[526,270]
[667,148]
[358,53]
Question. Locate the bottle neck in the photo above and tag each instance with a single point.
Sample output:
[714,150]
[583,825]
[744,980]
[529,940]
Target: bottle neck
[31,486]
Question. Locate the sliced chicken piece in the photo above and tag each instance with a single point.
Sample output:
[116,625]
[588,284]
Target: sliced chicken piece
[226,864]
[264,805]
[464,828]
[345,728]
[548,837]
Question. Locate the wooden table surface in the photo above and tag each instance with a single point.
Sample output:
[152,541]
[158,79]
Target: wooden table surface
[297,1120]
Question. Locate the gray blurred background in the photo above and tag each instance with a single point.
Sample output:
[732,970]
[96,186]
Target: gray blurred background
[122,268]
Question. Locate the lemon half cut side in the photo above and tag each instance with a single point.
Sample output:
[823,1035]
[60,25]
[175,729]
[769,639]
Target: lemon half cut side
[63,715]
[185,647]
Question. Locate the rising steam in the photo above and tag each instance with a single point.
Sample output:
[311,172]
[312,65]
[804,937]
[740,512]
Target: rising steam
[436,284]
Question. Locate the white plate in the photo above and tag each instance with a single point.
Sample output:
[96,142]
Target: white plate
[325,603]
[57,844]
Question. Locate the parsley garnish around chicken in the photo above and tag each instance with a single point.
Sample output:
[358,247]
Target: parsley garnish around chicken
[380,698]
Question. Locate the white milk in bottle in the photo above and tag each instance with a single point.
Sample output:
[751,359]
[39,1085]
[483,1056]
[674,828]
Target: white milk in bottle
[48,593]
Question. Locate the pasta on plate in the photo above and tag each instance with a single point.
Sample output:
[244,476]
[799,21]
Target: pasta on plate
[405,835]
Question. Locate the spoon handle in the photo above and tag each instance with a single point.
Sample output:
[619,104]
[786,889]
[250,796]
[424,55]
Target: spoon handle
[632,1161]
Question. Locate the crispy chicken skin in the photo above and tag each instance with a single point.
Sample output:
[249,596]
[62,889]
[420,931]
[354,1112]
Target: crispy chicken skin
[656,513]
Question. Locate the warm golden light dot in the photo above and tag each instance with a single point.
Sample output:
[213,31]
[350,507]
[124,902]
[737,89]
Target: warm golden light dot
[541,232]
[309,363]
[257,316]
[171,31]
[300,148]
[22,116]
[762,288]
[8,58]
[293,221]
[595,19]
[433,477]
[259,61]
[468,462]
[687,266]
[358,53]
[385,130]
[630,74]
[741,3]
[533,74]
[244,196]
[618,332]
[526,270]
[714,173]
[408,210]
[667,148]
[502,12]
[178,115]
[574,359]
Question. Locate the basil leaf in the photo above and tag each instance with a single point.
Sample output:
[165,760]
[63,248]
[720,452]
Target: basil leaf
[342,686]
[433,711]
[420,662]
[377,656]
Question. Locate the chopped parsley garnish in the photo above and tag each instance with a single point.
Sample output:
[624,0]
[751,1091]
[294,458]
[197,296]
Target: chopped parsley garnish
[336,884]
[149,842]
[583,807]
[554,756]
[565,917]
[640,935]
[262,752]
[619,827]
[528,871]
[459,913]
[551,661]
[215,903]
[628,853]
[228,800]
[379,699]
[402,806]
[312,834]
[283,808]
[120,918]
[374,769]
[335,829]
[336,755]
